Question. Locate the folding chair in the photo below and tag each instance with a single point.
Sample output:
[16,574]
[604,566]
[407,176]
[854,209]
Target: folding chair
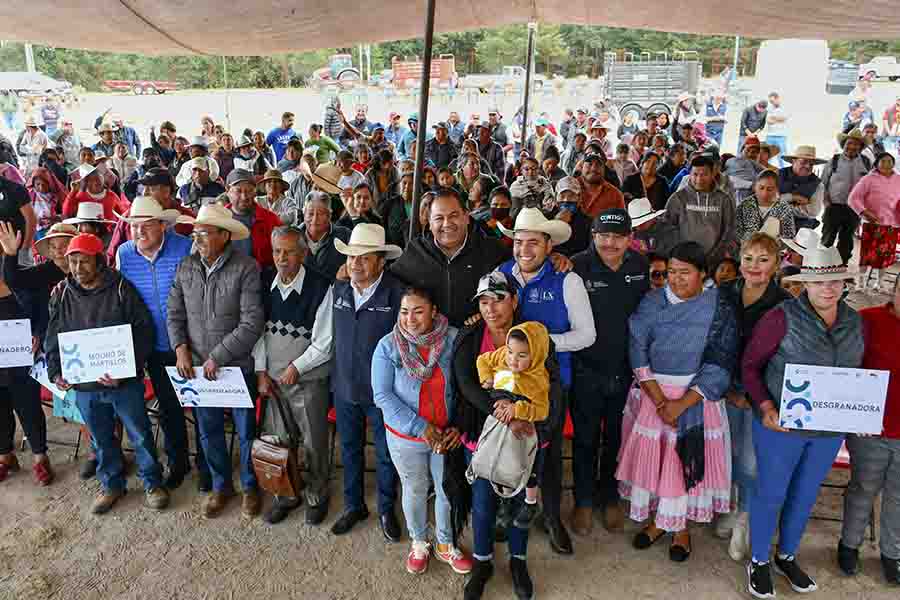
[843,462]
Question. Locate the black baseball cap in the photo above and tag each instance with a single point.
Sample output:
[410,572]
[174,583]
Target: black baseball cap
[612,220]
[158,177]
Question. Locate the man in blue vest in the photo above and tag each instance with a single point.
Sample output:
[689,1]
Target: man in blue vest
[365,310]
[149,260]
[560,302]
[616,278]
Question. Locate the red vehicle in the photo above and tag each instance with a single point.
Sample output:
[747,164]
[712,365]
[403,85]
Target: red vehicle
[140,86]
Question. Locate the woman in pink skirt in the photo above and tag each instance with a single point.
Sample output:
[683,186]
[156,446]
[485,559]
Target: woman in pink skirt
[876,199]
[675,459]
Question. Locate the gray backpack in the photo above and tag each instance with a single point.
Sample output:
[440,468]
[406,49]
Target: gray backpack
[502,458]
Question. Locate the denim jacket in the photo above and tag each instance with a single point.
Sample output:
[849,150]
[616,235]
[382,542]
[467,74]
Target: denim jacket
[397,393]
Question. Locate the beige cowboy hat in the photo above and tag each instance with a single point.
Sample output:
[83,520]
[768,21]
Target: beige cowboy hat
[823,264]
[33,121]
[275,175]
[326,178]
[107,126]
[532,219]
[804,240]
[56,230]
[89,212]
[207,164]
[805,153]
[854,134]
[218,216]
[641,211]
[365,239]
[145,208]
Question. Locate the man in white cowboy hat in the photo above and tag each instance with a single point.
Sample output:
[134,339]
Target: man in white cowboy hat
[365,310]
[202,186]
[560,302]
[249,158]
[214,319]
[616,278]
[198,147]
[839,177]
[107,143]
[276,199]
[293,362]
[801,187]
[598,134]
[150,260]
[32,142]
[642,223]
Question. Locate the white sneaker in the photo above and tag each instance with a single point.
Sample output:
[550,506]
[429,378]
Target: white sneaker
[739,548]
[725,524]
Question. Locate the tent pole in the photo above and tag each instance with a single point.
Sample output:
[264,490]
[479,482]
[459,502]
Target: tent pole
[424,90]
[227,94]
[529,68]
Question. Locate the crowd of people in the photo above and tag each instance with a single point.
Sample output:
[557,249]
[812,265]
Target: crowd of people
[629,277]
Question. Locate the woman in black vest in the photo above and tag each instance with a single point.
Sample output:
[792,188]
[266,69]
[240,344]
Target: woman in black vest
[815,329]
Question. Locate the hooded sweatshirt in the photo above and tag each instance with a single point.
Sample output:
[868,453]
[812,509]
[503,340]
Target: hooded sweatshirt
[533,383]
[707,218]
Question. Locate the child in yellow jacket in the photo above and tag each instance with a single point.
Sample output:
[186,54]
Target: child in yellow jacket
[520,383]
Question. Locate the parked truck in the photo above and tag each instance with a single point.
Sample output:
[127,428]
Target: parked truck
[510,76]
[881,67]
[644,83]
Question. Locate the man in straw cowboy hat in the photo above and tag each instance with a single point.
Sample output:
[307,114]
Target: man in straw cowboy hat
[202,185]
[365,310]
[839,177]
[560,302]
[107,143]
[214,319]
[277,199]
[616,278]
[150,260]
[94,295]
[801,187]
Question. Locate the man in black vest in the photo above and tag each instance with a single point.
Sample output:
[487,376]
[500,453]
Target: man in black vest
[799,186]
[292,362]
[365,310]
[616,278]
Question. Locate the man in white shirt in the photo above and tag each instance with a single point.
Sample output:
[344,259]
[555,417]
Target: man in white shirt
[777,123]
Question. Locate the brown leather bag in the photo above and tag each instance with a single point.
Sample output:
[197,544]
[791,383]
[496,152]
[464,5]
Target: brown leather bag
[277,467]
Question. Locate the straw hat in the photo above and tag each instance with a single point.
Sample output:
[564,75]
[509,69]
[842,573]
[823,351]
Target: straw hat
[823,264]
[326,178]
[56,230]
[245,141]
[275,175]
[365,239]
[532,219]
[107,126]
[145,208]
[221,217]
[33,121]
[641,211]
[804,240]
[854,134]
[89,212]
[805,152]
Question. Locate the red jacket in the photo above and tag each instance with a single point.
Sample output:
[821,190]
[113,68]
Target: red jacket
[110,203]
[881,328]
[261,235]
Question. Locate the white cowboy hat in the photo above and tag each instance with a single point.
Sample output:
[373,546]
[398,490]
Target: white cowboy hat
[532,219]
[85,170]
[641,211]
[218,216]
[823,264]
[365,239]
[33,121]
[207,164]
[804,240]
[56,230]
[200,140]
[88,212]
[145,208]
[326,178]
[805,152]
[107,126]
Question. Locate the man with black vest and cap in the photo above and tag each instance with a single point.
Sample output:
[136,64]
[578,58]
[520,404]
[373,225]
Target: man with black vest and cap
[616,278]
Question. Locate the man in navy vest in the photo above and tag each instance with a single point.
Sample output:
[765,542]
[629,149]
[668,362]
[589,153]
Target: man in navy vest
[560,302]
[292,361]
[616,278]
[149,260]
[365,310]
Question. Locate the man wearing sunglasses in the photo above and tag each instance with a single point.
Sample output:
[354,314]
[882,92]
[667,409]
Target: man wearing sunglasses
[658,271]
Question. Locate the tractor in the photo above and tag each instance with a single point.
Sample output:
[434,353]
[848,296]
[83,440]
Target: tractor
[339,72]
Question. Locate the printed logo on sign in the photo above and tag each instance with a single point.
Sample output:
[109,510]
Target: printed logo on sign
[183,389]
[72,359]
[798,405]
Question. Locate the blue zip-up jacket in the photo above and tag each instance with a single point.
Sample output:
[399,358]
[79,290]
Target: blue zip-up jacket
[397,393]
[153,280]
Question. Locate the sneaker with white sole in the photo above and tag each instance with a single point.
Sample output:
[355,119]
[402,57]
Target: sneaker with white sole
[417,559]
[799,580]
[725,525]
[759,580]
[456,558]
[739,547]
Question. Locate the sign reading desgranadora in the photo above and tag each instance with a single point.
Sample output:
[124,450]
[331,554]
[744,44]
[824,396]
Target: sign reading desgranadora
[229,390]
[89,354]
[15,343]
[833,399]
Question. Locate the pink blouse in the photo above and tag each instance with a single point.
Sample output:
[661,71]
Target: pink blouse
[879,195]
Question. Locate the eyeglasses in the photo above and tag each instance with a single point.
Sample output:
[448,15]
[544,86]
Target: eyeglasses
[659,275]
[202,235]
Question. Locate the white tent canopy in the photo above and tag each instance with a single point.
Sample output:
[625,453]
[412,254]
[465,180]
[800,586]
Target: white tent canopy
[257,28]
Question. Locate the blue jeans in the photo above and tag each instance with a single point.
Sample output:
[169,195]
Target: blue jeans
[715,133]
[781,142]
[484,519]
[791,467]
[743,457]
[417,466]
[100,410]
[351,426]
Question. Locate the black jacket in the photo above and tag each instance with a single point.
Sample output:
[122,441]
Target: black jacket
[658,194]
[581,235]
[440,155]
[327,260]
[34,283]
[114,302]
[614,295]
[453,282]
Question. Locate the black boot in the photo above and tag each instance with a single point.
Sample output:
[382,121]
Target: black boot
[891,567]
[560,542]
[848,559]
[521,579]
[482,571]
